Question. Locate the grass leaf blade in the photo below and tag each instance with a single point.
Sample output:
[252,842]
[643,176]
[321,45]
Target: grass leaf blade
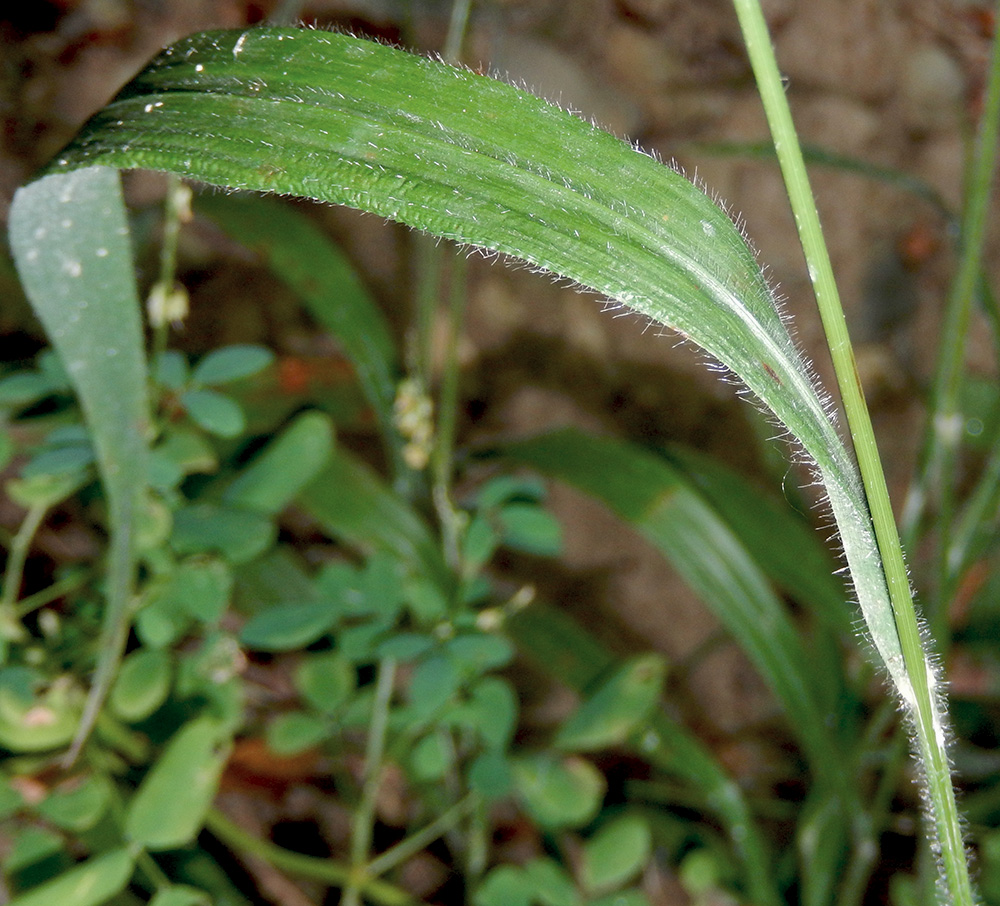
[70,240]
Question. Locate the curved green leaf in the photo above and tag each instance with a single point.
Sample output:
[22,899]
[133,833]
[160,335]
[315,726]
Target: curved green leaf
[660,503]
[620,705]
[70,240]
[287,464]
[88,884]
[472,159]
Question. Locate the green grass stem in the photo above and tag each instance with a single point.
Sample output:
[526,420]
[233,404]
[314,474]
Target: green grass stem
[943,435]
[326,871]
[363,822]
[925,708]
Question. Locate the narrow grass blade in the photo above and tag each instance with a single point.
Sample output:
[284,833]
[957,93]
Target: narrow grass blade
[661,504]
[305,259]
[351,503]
[782,543]
[470,158]
[71,243]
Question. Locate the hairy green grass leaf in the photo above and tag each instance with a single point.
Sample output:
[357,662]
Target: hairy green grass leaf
[469,158]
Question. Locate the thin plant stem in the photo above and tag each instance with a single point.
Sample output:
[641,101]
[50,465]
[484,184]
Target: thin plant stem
[447,405]
[175,210]
[11,628]
[428,268]
[926,710]
[326,871]
[447,402]
[457,26]
[362,824]
[979,512]
[419,840]
[56,590]
[944,431]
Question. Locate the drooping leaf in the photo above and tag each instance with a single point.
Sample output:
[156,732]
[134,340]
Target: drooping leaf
[470,158]
[70,239]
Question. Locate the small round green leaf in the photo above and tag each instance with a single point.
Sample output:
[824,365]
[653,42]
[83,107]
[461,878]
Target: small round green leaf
[431,757]
[231,363]
[558,792]
[292,733]
[239,535]
[506,885]
[202,587]
[490,775]
[478,543]
[405,646]
[622,898]
[142,684]
[504,488]
[169,807]
[45,489]
[432,685]
[31,846]
[215,412]
[287,626]
[491,711]
[479,652]
[46,720]
[326,681]
[180,895]
[79,808]
[22,389]
[616,853]
[527,527]
[553,887]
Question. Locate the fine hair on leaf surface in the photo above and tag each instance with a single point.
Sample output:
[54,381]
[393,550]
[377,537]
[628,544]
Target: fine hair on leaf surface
[468,158]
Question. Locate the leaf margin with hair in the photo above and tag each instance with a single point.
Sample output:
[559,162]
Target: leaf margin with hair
[472,159]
